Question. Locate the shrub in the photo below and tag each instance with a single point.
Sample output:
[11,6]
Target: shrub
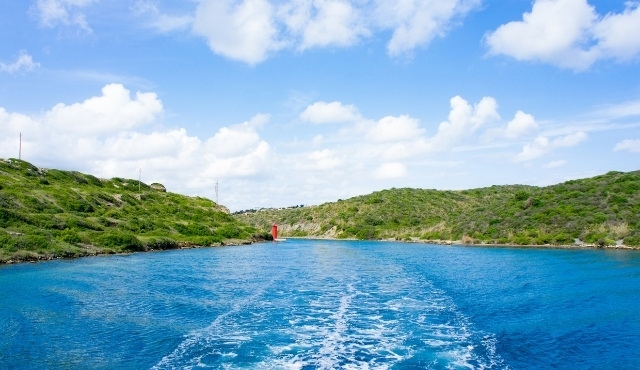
[161,244]
[70,236]
[7,242]
[120,240]
[633,241]
[32,242]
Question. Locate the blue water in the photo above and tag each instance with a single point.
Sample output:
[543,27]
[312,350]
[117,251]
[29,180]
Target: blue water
[323,305]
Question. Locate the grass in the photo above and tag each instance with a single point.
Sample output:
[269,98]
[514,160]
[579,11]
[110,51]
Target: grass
[49,213]
[602,210]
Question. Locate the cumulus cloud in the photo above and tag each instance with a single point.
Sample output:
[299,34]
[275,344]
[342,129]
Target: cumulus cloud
[522,124]
[543,145]
[617,33]
[322,23]
[238,151]
[117,141]
[334,112]
[628,145]
[53,13]
[415,23]
[393,129]
[24,62]
[464,120]
[113,111]
[251,30]
[242,30]
[569,34]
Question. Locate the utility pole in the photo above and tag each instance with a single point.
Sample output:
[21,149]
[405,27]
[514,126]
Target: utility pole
[139,177]
[20,149]
[215,184]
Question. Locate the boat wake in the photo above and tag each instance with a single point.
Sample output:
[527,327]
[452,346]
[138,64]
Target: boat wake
[346,322]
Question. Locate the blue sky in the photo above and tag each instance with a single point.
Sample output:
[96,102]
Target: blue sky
[288,102]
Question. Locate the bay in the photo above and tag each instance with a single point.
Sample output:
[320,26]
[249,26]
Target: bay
[311,304]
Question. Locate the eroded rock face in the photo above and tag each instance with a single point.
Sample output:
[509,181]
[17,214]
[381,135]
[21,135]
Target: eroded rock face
[158,187]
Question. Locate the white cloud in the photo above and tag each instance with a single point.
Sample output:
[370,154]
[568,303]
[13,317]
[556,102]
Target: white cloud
[115,142]
[53,13]
[629,145]
[570,140]
[238,151]
[112,112]
[415,23]
[463,121]
[24,62]
[393,129]
[321,160]
[569,34]
[234,141]
[522,124]
[622,110]
[543,145]
[392,170]
[617,34]
[244,30]
[162,22]
[334,112]
[251,30]
[321,23]
[251,163]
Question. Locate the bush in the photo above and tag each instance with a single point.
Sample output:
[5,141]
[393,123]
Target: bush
[161,244]
[120,240]
[633,241]
[70,236]
[7,242]
[521,195]
[32,242]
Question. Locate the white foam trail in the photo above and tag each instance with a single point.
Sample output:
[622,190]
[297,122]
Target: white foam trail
[181,358]
[345,320]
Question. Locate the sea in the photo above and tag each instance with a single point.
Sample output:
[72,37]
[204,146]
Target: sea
[319,304]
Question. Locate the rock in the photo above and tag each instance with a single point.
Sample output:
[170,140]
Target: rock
[158,187]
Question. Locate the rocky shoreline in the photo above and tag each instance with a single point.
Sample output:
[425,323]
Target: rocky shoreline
[33,257]
[91,251]
[461,243]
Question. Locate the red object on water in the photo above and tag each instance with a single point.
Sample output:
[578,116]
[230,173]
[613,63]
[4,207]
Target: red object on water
[274,231]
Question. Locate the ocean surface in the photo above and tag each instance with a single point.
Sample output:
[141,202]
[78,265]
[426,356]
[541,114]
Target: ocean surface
[307,304]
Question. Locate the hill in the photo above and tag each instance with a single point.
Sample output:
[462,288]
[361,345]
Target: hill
[48,213]
[603,210]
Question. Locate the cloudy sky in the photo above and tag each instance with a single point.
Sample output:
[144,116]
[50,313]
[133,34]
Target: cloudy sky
[288,102]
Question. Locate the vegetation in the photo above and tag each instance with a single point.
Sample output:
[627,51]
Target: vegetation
[51,213]
[600,211]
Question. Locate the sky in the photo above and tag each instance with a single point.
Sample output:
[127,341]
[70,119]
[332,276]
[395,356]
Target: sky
[291,102]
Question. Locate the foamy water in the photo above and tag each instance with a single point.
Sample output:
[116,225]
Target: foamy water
[325,305]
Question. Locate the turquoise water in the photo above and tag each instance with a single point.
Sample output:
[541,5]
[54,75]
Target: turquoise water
[325,304]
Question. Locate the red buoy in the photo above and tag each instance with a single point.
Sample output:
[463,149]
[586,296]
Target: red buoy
[274,231]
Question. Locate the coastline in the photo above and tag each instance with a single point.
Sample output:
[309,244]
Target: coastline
[460,243]
[34,257]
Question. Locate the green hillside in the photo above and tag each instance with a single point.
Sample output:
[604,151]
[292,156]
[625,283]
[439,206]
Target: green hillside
[48,213]
[602,211]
